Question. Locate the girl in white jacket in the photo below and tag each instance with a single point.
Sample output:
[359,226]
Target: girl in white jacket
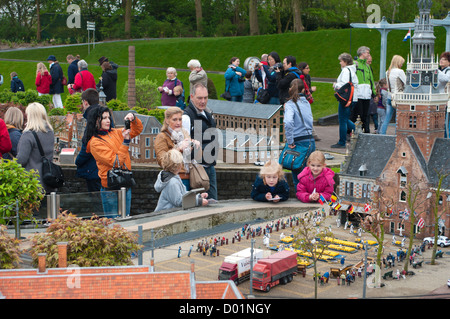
[396,79]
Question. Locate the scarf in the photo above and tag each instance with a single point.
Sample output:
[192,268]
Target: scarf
[178,138]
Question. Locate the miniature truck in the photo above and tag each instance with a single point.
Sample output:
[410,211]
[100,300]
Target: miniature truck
[236,267]
[275,269]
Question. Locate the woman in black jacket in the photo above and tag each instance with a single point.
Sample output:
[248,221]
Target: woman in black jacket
[108,81]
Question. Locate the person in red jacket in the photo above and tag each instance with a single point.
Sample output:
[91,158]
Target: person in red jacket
[316,179]
[83,79]
[43,79]
[5,141]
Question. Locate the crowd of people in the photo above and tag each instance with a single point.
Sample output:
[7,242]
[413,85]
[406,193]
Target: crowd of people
[78,79]
[182,141]
[375,100]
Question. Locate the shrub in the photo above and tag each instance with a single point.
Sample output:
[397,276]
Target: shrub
[91,242]
[73,104]
[9,250]
[16,183]
[147,94]
[116,105]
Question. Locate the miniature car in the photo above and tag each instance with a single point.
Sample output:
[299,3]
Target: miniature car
[448,283]
[328,156]
[443,241]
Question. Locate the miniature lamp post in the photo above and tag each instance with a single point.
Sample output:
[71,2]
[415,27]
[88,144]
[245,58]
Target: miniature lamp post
[101,94]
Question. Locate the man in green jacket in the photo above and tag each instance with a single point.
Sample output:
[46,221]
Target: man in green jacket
[366,88]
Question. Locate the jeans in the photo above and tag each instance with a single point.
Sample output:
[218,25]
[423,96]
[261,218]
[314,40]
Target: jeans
[312,149]
[212,192]
[110,202]
[274,100]
[389,112]
[344,122]
[237,98]
[381,117]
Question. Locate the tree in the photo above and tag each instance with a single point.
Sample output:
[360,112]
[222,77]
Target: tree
[253,17]
[297,14]
[308,237]
[373,223]
[441,177]
[199,16]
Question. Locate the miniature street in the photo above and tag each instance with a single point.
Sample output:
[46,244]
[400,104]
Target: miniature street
[426,279]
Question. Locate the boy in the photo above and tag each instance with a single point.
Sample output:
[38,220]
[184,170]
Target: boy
[169,183]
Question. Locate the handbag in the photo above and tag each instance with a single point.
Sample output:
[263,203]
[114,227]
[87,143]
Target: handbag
[226,95]
[263,96]
[198,178]
[118,176]
[345,93]
[308,94]
[52,174]
[64,81]
[294,159]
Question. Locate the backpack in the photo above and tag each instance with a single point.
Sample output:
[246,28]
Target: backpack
[345,93]
[263,96]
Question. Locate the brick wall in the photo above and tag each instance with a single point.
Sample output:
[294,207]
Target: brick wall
[232,184]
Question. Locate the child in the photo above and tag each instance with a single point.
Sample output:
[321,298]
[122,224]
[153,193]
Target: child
[249,93]
[16,83]
[178,92]
[315,180]
[382,100]
[270,185]
[169,183]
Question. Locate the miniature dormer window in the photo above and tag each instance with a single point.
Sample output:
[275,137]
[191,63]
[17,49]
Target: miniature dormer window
[363,170]
[403,178]
[403,196]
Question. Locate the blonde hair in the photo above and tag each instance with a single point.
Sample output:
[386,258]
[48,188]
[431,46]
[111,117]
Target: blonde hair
[271,167]
[178,89]
[172,160]
[396,62]
[14,116]
[41,68]
[37,119]
[170,111]
[317,156]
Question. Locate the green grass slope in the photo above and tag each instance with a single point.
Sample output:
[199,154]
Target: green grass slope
[319,48]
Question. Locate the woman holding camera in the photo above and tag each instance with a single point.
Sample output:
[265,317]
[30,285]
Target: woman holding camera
[107,144]
[234,80]
[174,136]
[265,73]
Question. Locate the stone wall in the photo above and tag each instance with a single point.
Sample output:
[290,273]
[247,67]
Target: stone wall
[232,183]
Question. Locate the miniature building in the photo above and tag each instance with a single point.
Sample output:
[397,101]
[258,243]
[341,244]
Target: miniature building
[250,132]
[381,167]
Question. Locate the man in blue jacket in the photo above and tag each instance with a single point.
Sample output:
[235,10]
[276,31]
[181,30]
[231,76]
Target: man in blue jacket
[285,76]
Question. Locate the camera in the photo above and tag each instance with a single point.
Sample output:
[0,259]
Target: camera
[278,65]
[127,124]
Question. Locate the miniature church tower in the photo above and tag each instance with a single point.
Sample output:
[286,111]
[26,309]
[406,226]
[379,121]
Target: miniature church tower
[420,107]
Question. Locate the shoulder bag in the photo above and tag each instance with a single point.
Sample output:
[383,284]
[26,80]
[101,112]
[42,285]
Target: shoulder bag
[345,93]
[119,176]
[52,174]
[294,159]
[198,178]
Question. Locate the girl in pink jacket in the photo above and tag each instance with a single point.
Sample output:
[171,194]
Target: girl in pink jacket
[315,179]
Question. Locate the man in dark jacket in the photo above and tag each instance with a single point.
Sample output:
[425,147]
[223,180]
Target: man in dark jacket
[72,70]
[285,76]
[199,122]
[56,88]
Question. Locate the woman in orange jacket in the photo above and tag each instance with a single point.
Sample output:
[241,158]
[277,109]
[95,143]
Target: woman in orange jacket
[106,144]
